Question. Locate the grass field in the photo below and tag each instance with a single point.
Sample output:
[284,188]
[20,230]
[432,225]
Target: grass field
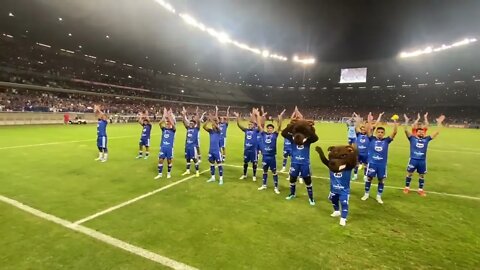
[234,226]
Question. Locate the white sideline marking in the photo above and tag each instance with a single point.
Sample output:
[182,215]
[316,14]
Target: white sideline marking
[64,142]
[100,236]
[392,187]
[113,208]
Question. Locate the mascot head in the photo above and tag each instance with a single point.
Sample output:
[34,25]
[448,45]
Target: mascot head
[300,130]
[340,158]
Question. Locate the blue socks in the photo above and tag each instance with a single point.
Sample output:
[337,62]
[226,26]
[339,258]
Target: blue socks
[407,181]
[220,170]
[421,183]
[367,186]
[380,188]
[292,188]
[310,192]
[275,180]
[212,169]
[160,168]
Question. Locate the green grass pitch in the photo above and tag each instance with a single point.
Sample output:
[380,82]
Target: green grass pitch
[233,226]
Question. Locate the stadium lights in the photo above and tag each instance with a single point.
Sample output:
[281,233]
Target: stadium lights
[166,5]
[430,49]
[7,35]
[90,56]
[10,14]
[110,61]
[43,45]
[67,51]
[305,61]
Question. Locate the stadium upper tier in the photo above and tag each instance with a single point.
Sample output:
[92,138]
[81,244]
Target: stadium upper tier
[449,84]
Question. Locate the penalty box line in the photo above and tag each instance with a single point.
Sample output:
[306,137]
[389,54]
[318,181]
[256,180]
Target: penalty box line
[148,194]
[99,236]
[392,187]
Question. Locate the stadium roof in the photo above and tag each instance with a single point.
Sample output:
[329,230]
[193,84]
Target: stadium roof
[142,32]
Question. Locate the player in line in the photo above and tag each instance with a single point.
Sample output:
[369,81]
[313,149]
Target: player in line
[145,136]
[214,153]
[362,142]
[199,119]
[191,143]
[287,150]
[101,134]
[166,146]
[269,149]
[300,158]
[223,126]
[250,147]
[377,157]
[418,154]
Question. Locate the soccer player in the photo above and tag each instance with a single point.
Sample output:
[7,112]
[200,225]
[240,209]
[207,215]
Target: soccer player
[269,150]
[250,147]
[377,158]
[191,143]
[418,154]
[101,134]
[166,146]
[223,125]
[214,153]
[351,132]
[300,159]
[287,150]
[145,137]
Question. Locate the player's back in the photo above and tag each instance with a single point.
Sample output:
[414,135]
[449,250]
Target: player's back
[418,147]
[168,136]
[102,128]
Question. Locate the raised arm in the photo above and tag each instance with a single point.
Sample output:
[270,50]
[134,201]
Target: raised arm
[205,125]
[216,112]
[184,118]
[395,129]
[98,113]
[415,123]
[439,124]
[164,117]
[406,127]
[425,120]
[369,126]
[280,121]
[259,120]
[358,121]
[228,112]
[170,118]
[237,115]
[379,118]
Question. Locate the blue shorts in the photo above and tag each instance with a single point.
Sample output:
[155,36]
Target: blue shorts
[250,156]
[102,141]
[343,196]
[222,142]
[144,142]
[299,169]
[420,165]
[190,153]
[377,170]
[215,157]
[269,162]
[287,153]
[352,140]
[166,153]
[363,158]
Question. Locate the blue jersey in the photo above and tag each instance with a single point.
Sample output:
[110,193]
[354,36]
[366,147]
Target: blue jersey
[340,182]
[352,133]
[301,154]
[362,143]
[192,137]
[251,139]
[418,147]
[168,136]
[223,129]
[147,128]
[378,150]
[269,143]
[102,128]
[287,145]
[214,141]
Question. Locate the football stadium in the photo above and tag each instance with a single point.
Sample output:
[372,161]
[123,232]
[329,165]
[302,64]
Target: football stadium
[182,134]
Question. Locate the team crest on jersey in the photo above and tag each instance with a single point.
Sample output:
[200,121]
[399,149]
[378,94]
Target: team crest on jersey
[189,135]
[166,136]
[249,137]
[268,140]
[300,147]
[338,175]
[362,140]
[420,145]
[378,148]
